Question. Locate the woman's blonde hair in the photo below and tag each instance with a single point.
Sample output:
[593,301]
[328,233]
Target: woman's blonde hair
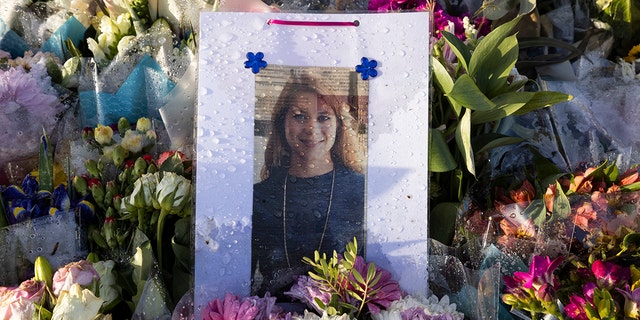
[345,149]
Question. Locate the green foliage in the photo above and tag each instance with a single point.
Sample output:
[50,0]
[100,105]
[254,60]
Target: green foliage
[624,18]
[471,98]
[45,164]
[339,277]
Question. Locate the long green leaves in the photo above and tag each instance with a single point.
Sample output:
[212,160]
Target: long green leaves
[482,93]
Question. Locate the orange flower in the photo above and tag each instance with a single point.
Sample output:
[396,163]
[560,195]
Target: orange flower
[549,196]
[629,177]
[584,214]
[523,195]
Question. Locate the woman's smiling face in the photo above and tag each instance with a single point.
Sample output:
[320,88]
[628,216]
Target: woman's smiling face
[310,129]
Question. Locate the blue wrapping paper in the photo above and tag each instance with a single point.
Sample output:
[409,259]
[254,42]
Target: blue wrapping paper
[71,29]
[11,42]
[139,96]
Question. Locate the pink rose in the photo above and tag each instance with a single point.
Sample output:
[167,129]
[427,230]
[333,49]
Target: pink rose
[80,272]
[30,289]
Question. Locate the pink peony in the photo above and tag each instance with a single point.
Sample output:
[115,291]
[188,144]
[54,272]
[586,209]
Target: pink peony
[79,272]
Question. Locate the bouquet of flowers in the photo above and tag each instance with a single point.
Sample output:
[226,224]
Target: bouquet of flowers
[579,235]
[342,286]
[82,289]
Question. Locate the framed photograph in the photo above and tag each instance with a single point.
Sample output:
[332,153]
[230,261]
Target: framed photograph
[312,131]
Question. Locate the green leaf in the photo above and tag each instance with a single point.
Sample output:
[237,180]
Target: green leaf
[495,9]
[489,141]
[526,6]
[468,94]
[507,104]
[463,139]
[45,164]
[631,187]
[561,205]
[173,164]
[440,157]
[444,216]
[611,173]
[494,57]
[624,18]
[537,211]
[459,49]
[543,99]
[445,82]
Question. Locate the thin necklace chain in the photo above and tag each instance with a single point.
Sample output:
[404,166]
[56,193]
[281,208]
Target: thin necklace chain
[284,215]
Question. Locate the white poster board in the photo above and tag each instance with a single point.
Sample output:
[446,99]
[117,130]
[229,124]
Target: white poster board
[396,126]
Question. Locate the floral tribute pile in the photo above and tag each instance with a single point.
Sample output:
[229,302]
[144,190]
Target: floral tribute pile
[580,236]
[342,286]
[135,212]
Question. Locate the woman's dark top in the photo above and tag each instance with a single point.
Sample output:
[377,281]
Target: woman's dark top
[306,209]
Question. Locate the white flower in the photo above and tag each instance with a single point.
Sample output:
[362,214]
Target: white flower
[312,316]
[133,141]
[173,192]
[144,188]
[430,306]
[76,303]
[79,8]
[109,290]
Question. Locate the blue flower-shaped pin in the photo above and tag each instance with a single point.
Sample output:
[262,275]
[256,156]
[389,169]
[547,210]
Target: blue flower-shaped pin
[255,62]
[367,68]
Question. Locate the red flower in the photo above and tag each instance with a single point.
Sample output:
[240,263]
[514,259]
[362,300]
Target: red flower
[168,154]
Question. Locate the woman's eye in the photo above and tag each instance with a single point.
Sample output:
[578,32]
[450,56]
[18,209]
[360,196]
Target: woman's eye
[299,116]
[324,118]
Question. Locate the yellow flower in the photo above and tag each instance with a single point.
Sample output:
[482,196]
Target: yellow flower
[103,135]
[633,54]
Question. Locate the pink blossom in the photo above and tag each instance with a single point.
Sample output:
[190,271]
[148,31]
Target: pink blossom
[80,272]
[246,6]
[609,275]
[30,289]
[394,5]
[576,309]
[234,308]
[20,89]
[307,291]
[387,289]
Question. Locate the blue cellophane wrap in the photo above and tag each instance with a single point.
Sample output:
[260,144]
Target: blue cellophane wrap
[72,29]
[141,95]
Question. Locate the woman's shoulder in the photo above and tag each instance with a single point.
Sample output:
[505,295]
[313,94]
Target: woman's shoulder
[349,174]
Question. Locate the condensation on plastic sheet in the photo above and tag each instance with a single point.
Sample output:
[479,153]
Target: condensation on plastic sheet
[59,239]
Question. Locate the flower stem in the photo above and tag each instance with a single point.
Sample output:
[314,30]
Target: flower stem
[161,219]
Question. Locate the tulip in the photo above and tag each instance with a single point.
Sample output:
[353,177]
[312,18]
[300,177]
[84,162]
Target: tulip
[76,303]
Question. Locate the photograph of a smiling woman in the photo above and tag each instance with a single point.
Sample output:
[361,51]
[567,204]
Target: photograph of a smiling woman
[309,193]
